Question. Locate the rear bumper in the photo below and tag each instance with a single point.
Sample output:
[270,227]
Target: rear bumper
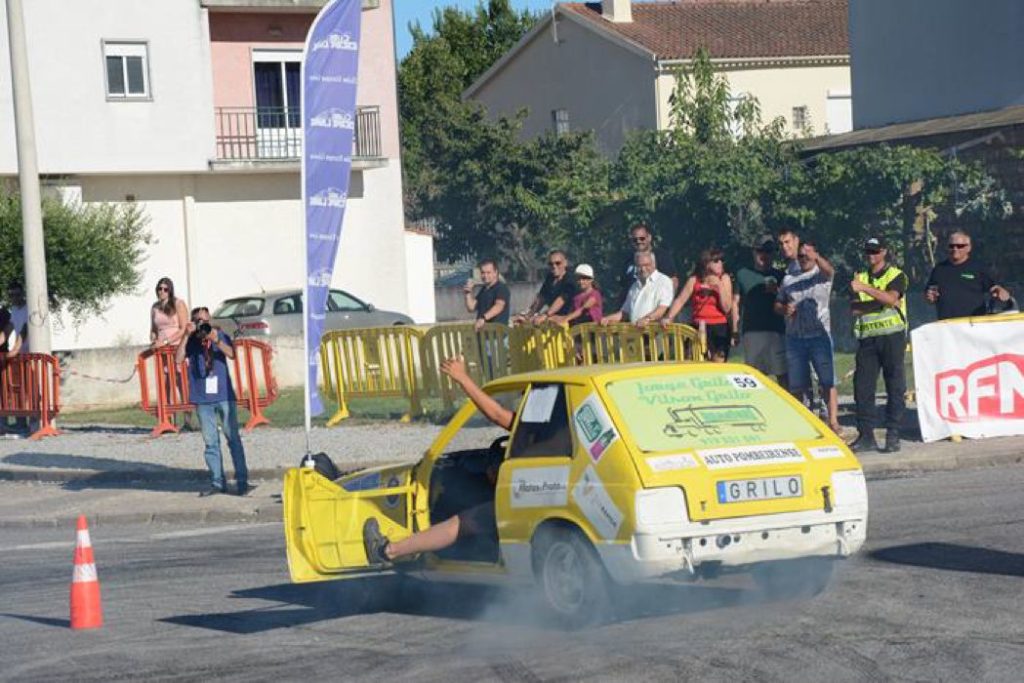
[734,543]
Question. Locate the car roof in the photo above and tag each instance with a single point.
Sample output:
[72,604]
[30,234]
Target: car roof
[578,375]
[277,293]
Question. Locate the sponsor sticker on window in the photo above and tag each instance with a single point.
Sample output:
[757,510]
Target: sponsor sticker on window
[594,427]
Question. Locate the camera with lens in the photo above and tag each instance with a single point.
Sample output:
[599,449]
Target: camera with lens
[203,329]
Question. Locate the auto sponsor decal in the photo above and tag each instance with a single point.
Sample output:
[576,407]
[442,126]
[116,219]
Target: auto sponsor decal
[393,482]
[826,452]
[750,456]
[534,487]
[596,505]
[989,389]
[676,461]
[367,482]
[594,427]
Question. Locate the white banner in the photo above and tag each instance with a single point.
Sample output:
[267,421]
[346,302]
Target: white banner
[969,376]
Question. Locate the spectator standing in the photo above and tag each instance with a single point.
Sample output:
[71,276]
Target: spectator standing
[648,297]
[491,302]
[556,292]
[710,289]
[764,342]
[803,300]
[642,240]
[208,350]
[960,287]
[879,308]
[588,303]
[19,312]
[168,316]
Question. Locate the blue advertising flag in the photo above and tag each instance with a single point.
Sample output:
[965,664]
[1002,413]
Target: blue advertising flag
[330,65]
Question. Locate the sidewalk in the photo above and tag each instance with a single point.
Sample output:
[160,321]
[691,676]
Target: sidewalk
[122,476]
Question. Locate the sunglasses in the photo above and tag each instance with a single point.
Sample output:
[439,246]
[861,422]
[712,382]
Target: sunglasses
[957,246]
[163,288]
[556,263]
[872,251]
[638,239]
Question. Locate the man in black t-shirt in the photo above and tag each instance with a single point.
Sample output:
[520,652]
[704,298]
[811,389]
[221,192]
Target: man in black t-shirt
[640,239]
[556,292]
[959,287]
[764,343]
[491,302]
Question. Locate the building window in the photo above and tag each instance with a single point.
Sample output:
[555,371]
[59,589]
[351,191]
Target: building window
[276,81]
[800,119]
[127,70]
[560,118]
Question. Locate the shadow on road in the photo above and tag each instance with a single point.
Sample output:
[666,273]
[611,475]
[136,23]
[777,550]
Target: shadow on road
[45,621]
[309,603]
[953,557]
[103,473]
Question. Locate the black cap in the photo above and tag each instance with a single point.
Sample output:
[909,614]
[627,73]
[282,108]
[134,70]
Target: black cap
[765,243]
[874,244]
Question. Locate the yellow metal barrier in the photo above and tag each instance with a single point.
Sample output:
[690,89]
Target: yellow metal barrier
[540,347]
[371,363]
[625,343]
[486,354]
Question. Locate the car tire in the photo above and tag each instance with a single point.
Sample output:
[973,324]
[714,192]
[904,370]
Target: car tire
[804,578]
[573,583]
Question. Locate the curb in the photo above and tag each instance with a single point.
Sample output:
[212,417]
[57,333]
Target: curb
[878,467]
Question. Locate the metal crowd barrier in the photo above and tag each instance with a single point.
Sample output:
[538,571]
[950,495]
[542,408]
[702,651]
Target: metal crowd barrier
[374,362]
[163,383]
[406,362]
[30,388]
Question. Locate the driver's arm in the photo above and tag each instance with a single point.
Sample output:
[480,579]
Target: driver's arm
[491,409]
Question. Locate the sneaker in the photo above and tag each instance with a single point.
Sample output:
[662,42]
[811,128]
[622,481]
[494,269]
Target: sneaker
[864,443]
[374,542]
[892,442]
[212,491]
[245,489]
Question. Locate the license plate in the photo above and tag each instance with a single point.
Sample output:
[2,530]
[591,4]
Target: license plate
[769,488]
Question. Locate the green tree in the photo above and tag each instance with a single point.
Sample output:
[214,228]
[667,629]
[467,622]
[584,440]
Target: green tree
[443,62]
[92,251]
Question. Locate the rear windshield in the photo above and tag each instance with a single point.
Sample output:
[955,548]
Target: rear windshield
[235,308]
[686,410]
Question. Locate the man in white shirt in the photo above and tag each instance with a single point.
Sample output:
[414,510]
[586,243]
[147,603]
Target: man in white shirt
[649,296]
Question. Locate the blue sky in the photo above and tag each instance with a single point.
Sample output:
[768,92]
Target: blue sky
[407,11]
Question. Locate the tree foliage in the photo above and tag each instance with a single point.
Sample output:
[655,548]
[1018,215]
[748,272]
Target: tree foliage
[92,251]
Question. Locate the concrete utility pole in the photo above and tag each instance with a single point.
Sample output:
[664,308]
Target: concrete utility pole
[28,179]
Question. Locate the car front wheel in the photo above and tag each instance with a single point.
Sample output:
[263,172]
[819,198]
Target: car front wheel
[572,579]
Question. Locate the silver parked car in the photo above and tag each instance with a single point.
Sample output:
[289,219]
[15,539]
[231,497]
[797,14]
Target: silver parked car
[279,312]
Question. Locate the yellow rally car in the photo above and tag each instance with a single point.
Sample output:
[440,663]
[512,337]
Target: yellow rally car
[612,474]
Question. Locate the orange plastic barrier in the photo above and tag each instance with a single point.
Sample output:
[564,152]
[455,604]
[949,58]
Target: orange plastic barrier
[164,383]
[30,387]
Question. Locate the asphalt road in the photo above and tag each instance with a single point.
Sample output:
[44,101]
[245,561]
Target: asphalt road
[937,595]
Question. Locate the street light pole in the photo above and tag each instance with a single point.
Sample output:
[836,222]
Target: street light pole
[28,180]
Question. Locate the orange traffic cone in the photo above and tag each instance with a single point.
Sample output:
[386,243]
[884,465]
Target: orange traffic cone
[86,611]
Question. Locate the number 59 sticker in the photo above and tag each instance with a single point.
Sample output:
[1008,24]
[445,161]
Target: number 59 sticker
[745,382]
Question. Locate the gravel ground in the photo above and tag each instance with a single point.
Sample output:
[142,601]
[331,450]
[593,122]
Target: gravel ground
[120,448]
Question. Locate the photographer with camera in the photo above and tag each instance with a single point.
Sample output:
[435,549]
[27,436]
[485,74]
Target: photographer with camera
[208,349]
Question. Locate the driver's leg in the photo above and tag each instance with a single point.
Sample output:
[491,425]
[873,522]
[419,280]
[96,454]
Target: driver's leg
[437,537]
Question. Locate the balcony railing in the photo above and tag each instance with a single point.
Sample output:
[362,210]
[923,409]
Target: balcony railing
[275,133]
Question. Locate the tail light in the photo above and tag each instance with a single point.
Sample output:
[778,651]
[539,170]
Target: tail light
[260,326]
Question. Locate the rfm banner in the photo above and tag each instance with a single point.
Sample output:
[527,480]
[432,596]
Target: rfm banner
[970,377]
[329,67]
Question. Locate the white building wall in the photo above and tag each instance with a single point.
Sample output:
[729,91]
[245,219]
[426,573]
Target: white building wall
[778,89]
[77,129]
[922,59]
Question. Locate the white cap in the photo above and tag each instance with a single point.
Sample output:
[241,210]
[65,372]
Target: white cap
[584,270]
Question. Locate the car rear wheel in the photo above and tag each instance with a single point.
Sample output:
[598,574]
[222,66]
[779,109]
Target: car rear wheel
[802,578]
[573,581]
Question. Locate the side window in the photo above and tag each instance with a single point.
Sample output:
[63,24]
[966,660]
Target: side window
[340,301]
[288,304]
[543,427]
[127,70]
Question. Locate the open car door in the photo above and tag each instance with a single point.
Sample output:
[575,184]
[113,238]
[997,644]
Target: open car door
[323,519]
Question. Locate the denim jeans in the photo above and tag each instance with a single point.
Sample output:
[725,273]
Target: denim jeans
[208,413]
[803,352]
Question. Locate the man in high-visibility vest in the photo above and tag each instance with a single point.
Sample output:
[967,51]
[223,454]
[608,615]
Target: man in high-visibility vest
[879,308]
